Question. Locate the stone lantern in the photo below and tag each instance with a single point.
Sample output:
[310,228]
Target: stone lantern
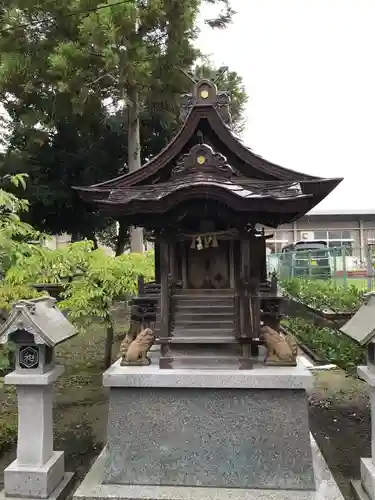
[361,328]
[36,327]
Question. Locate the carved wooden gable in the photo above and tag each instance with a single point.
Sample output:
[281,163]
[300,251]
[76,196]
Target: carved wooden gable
[202,159]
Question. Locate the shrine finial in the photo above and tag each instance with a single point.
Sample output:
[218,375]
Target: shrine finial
[195,78]
[220,72]
[205,93]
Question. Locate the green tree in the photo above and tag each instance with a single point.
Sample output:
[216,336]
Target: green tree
[60,63]
[17,238]
[53,137]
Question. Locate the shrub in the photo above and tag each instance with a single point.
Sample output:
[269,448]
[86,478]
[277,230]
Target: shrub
[103,280]
[324,295]
[92,280]
[332,345]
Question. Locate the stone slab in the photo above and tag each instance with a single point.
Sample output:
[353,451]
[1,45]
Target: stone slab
[34,482]
[359,492]
[243,438]
[366,374]
[361,326]
[260,377]
[92,488]
[29,378]
[368,477]
[58,493]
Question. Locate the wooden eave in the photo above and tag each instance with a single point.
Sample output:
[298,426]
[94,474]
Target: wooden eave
[203,117]
[161,199]
[114,201]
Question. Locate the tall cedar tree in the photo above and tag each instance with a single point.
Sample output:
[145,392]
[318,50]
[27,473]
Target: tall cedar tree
[60,65]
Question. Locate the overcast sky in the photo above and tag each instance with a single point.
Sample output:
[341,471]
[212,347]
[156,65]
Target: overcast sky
[309,70]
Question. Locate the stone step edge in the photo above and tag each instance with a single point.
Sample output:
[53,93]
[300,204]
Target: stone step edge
[200,340]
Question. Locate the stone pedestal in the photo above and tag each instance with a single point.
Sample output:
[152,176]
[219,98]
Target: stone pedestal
[210,434]
[38,471]
[365,488]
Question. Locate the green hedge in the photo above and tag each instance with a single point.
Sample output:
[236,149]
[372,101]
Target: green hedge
[327,343]
[331,345]
[323,295]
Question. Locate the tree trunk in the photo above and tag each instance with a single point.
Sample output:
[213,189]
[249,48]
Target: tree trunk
[121,239]
[108,345]
[134,157]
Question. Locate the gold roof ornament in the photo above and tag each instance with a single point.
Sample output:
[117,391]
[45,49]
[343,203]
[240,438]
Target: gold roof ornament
[204,94]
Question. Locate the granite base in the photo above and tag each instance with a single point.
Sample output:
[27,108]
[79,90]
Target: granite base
[209,437]
[34,482]
[59,493]
[209,428]
[92,487]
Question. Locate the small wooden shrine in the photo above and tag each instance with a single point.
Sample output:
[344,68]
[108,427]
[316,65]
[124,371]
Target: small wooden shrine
[204,196]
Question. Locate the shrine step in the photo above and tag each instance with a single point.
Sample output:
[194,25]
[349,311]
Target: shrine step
[209,337]
[205,291]
[187,308]
[191,350]
[203,302]
[206,362]
[204,322]
[179,332]
[203,315]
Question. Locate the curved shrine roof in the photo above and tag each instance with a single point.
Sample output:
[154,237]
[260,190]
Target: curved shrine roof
[231,171]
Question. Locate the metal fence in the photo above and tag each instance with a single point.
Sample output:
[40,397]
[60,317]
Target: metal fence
[345,265]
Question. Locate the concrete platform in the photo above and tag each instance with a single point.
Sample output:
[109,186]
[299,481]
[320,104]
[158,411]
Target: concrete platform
[259,377]
[92,488]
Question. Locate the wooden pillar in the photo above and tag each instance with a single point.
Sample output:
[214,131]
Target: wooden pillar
[256,254]
[237,287]
[245,276]
[141,286]
[231,265]
[184,264]
[157,259]
[173,271]
[164,288]
[263,259]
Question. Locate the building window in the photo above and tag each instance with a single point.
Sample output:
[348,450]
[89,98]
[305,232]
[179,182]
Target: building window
[334,235]
[346,235]
[340,244]
[320,235]
[337,239]
[370,233]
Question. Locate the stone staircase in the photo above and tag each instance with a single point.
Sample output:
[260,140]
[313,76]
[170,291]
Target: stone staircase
[203,316]
[203,331]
